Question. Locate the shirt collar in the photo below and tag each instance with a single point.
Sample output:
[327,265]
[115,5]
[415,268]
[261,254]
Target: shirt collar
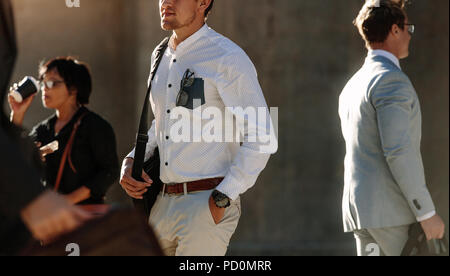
[190,40]
[52,121]
[386,54]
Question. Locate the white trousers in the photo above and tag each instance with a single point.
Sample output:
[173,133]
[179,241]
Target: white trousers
[185,227]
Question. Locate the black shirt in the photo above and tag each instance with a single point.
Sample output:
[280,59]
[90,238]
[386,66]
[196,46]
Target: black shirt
[93,155]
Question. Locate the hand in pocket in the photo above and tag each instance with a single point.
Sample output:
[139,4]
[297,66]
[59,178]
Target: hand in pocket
[216,212]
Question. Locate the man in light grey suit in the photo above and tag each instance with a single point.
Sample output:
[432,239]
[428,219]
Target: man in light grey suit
[385,190]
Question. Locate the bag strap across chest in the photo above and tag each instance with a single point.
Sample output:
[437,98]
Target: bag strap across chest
[67,153]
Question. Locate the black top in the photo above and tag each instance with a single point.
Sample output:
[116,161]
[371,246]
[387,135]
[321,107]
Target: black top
[93,155]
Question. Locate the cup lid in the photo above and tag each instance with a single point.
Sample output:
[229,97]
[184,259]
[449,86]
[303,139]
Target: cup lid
[17,96]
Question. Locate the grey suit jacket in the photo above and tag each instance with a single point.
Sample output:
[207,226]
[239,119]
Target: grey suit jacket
[381,124]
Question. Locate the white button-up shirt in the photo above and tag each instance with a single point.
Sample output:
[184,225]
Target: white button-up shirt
[230,81]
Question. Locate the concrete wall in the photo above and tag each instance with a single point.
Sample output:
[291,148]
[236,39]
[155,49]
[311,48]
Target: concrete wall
[304,51]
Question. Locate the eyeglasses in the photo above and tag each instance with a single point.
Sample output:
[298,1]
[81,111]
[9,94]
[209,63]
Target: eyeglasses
[49,84]
[411,28]
[186,82]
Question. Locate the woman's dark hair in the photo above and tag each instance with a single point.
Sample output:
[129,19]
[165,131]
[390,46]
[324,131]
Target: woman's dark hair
[75,74]
[208,10]
[374,21]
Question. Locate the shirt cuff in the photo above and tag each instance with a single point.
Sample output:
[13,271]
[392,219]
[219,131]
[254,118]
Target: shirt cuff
[131,154]
[229,188]
[426,216]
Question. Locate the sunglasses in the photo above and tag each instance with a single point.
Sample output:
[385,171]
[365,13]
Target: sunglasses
[186,82]
[411,28]
[49,84]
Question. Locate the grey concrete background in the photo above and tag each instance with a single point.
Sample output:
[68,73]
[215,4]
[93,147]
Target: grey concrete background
[304,51]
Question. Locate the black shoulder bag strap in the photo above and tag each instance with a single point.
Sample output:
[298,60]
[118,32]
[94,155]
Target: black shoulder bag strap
[142,137]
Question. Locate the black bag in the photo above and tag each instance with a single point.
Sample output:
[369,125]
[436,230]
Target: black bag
[418,245]
[151,167]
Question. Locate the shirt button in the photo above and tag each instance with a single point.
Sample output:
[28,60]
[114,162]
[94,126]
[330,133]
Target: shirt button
[170,85]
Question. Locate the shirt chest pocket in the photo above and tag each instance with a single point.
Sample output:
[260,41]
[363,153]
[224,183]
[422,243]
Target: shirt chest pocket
[192,96]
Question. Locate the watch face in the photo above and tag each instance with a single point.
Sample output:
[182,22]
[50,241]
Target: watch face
[223,202]
[221,199]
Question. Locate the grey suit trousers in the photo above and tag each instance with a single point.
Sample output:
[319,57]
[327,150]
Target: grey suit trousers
[387,241]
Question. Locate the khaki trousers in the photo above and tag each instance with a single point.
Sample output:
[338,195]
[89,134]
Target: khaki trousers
[388,241]
[185,227]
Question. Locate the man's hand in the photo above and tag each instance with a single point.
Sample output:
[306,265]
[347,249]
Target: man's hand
[50,216]
[132,187]
[216,212]
[434,228]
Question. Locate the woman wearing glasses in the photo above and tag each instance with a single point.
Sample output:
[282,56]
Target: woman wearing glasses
[77,146]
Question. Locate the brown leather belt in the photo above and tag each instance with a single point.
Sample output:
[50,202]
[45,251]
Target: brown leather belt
[194,186]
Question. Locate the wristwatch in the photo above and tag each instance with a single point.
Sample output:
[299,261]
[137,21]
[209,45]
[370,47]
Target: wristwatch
[221,199]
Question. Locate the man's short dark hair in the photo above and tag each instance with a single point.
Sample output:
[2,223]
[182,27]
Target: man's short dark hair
[208,10]
[75,74]
[374,23]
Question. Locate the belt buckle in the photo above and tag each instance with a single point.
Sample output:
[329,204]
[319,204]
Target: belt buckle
[185,192]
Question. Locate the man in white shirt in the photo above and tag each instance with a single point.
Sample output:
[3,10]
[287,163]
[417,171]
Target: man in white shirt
[207,79]
[384,190]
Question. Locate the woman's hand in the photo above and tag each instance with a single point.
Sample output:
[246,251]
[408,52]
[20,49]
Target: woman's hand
[18,110]
[47,149]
